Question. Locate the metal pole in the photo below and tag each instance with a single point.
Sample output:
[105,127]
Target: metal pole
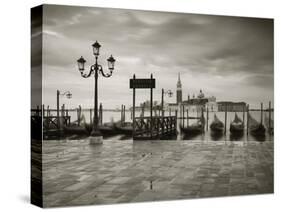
[96,120]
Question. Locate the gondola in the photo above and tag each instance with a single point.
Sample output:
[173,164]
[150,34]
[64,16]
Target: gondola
[75,130]
[270,127]
[216,126]
[124,128]
[194,129]
[237,125]
[108,129]
[256,128]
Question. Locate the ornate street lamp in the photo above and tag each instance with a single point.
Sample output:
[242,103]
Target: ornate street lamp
[81,64]
[96,69]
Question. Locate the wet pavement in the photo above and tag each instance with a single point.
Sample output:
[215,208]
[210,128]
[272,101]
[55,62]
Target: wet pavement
[77,173]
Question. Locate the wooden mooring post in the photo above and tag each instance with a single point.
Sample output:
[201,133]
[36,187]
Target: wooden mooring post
[261,113]
[207,124]
[43,111]
[79,109]
[187,119]
[151,107]
[121,114]
[269,116]
[124,114]
[182,115]
[48,111]
[91,116]
[243,116]
[247,119]
[134,103]
[101,114]
[225,118]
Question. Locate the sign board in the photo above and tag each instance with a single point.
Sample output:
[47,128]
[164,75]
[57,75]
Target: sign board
[142,83]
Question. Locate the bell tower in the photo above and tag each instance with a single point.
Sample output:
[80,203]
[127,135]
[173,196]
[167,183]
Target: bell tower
[179,90]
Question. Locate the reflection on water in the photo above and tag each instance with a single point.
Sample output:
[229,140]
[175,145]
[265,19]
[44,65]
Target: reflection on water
[209,136]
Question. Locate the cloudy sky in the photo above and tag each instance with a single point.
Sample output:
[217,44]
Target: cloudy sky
[230,58]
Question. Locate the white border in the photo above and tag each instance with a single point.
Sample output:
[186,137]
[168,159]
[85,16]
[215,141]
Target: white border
[15,102]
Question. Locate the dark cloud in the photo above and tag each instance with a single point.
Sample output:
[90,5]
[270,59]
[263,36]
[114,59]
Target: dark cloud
[202,46]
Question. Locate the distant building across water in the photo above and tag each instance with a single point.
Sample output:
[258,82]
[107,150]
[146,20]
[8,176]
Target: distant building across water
[199,102]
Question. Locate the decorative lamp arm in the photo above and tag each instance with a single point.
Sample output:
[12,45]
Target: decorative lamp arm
[104,74]
[89,74]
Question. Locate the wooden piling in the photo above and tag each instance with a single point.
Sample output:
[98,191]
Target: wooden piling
[48,111]
[100,114]
[91,116]
[170,111]
[134,102]
[62,115]
[207,125]
[43,111]
[151,107]
[187,119]
[202,118]
[261,113]
[124,114]
[269,117]
[68,117]
[58,109]
[63,110]
[225,119]
[243,116]
[121,114]
[182,115]
[247,119]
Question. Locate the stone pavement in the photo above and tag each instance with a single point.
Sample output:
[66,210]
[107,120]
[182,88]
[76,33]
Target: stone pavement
[77,173]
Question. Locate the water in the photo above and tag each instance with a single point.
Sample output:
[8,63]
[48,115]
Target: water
[115,116]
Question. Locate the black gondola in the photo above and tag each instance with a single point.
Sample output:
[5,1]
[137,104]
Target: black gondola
[217,126]
[108,129]
[269,123]
[124,128]
[256,128]
[194,129]
[237,125]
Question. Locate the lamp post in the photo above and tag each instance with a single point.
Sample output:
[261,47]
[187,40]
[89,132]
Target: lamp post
[96,69]
[69,96]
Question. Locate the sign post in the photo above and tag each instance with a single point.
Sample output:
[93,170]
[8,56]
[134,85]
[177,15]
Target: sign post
[142,83]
